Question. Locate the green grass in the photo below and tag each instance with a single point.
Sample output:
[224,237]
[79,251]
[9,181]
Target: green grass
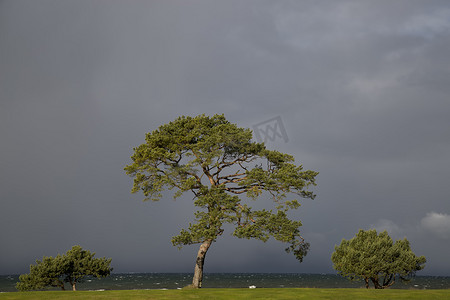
[283,293]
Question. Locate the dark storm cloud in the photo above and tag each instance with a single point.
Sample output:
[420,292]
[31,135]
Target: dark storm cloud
[361,87]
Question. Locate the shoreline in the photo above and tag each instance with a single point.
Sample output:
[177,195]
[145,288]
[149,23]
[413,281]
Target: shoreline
[173,281]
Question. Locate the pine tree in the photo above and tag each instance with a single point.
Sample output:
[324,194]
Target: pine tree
[71,267]
[217,161]
[375,257]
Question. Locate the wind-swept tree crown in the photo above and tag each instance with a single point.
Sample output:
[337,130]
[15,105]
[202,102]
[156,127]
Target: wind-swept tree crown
[214,144]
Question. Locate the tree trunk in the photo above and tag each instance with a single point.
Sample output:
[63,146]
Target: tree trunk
[388,281]
[198,271]
[74,283]
[366,280]
[376,283]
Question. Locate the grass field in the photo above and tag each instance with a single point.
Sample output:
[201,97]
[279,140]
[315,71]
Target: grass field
[284,293]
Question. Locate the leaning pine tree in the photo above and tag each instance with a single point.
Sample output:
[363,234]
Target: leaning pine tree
[217,161]
[71,267]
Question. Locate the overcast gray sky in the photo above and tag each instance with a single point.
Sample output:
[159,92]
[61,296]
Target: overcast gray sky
[362,89]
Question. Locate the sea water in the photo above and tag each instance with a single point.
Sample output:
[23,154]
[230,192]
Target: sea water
[129,281]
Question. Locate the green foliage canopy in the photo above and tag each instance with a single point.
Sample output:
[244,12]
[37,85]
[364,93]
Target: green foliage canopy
[71,267]
[376,257]
[217,161]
